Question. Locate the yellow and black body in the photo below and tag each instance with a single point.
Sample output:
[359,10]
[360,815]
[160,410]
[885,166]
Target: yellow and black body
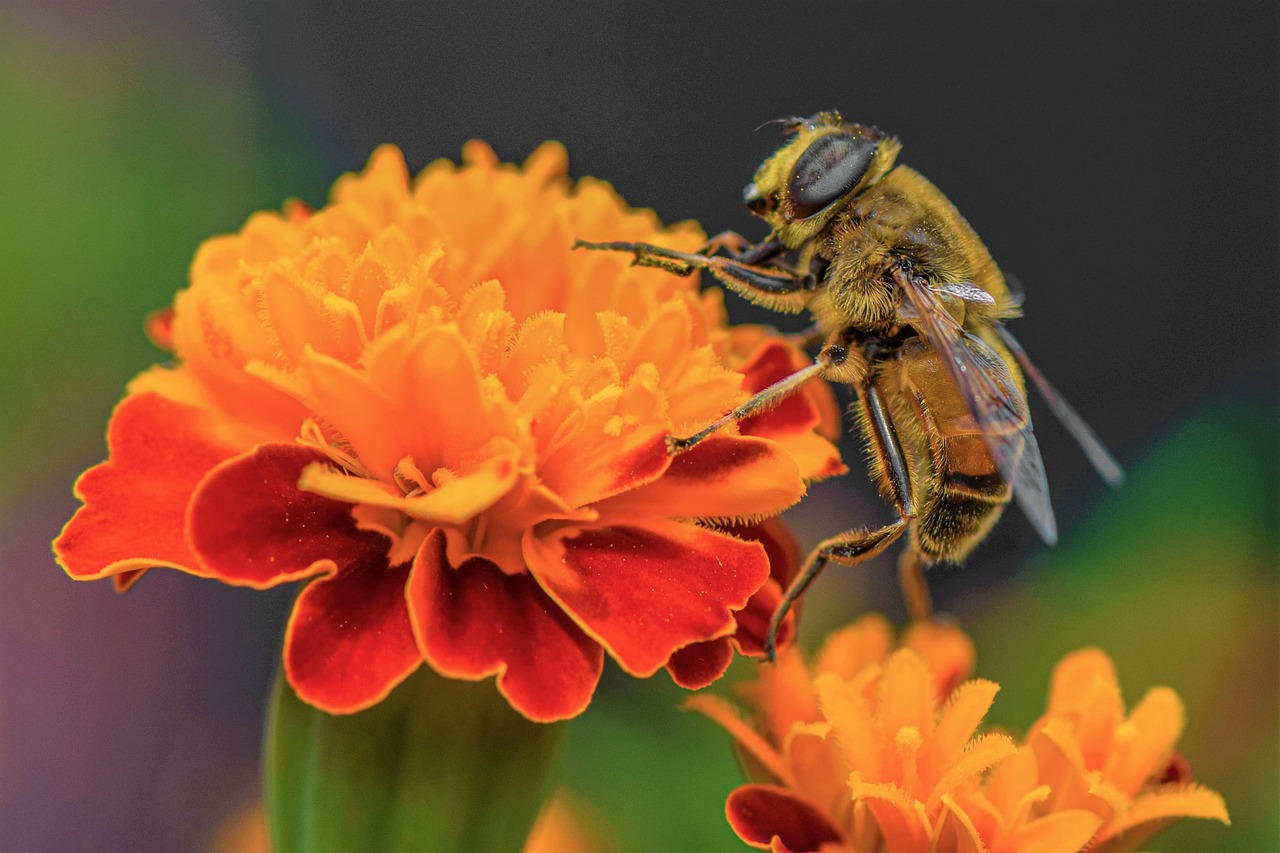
[910,307]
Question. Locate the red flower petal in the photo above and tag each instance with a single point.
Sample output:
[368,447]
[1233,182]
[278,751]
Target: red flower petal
[760,813]
[784,561]
[349,641]
[772,362]
[644,592]
[251,525]
[700,664]
[135,502]
[476,621]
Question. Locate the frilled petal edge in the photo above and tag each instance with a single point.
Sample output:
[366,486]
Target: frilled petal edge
[645,591]
[250,525]
[135,503]
[349,641]
[698,665]
[761,813]
[475,621]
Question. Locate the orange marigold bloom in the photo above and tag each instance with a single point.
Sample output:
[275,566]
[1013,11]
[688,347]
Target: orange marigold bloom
[1085,756]
[875,749]
[861,751]
[419,399]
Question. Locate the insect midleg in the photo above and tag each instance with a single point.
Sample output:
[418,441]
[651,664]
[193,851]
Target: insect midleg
[855,546]
[770,396]
[740,249]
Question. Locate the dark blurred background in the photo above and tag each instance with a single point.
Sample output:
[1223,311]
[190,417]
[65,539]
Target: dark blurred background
[1119,159]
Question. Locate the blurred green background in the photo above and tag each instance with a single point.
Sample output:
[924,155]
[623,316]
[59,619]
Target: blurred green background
[1120,161]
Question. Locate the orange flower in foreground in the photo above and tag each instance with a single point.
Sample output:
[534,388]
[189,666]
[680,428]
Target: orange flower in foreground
[419,399]
[1086,755]
[880,750]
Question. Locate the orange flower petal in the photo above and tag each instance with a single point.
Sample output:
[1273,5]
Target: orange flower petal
[983,752]
[135,503]
[958,721]
[901,818]
[783,695]
[759,814]
[906,697]
[348,642]
[1156,810]
[1144,742]
[818,767]
[455,500]
[1011,781]
[643,592]
[955,831]
[723,477]
[797,422]
[596,472]
[853,722]
[475,621]
[251,525]
[851,649]
[1060,832]
[946,649]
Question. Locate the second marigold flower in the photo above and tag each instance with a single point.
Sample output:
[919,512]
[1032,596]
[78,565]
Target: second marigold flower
[871,749]
[420,400]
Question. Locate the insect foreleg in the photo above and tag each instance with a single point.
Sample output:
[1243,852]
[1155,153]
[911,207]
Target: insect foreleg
[774,280]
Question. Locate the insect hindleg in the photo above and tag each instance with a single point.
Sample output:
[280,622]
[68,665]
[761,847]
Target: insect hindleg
[915,589]
[855,546]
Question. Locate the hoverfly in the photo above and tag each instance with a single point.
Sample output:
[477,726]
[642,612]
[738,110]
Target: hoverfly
[911,309]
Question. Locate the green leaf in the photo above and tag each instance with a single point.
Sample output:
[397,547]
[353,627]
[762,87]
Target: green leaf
[439,765]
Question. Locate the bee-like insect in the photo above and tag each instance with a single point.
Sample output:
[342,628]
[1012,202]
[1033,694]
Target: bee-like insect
[912,309]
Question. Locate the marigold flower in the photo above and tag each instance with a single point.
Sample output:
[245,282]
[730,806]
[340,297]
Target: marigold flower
[875,749]
[1085,756]
[862,751]
[420,400]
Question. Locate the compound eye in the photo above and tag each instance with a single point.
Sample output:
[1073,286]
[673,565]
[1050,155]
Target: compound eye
[827,170]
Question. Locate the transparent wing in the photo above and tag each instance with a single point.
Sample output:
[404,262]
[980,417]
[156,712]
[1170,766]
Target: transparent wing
[1101,459]
[999,410]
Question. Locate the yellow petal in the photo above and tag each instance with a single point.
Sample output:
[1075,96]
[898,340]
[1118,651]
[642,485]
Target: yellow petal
[1061,832]
[955,832]
[965,709]
[1145,740]
[848,651]
[1154,811]
[983,752]
[906,696]
[852,723]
